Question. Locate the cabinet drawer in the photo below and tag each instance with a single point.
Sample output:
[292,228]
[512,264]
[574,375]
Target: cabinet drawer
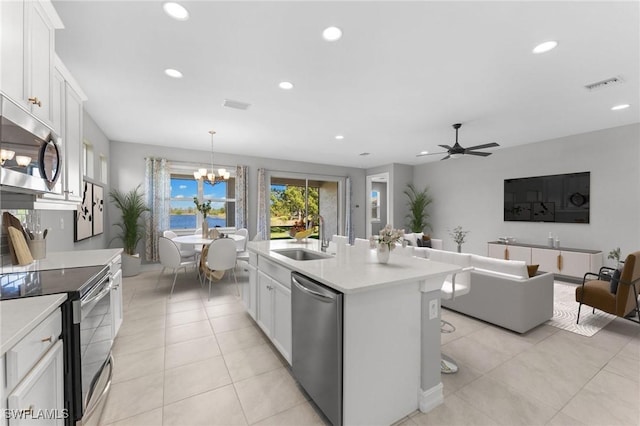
[26,353]
[275,271]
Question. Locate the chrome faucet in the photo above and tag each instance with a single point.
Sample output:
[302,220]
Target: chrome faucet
[323,239]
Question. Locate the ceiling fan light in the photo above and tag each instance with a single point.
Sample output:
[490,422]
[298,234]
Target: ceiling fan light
[454,156]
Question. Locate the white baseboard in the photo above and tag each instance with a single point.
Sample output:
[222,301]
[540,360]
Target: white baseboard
[430,398]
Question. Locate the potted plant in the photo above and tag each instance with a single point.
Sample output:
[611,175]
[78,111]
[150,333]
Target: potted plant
[615,255]
[132,207]
[458,235]
[418,203]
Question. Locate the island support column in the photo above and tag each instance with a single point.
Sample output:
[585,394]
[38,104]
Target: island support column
[430,394]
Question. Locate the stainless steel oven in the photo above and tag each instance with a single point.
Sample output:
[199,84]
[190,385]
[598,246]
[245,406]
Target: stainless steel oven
[96,339]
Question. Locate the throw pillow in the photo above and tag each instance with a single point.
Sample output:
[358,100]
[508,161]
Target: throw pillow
[615,279]
[420,242]
[426,242]
[532,269]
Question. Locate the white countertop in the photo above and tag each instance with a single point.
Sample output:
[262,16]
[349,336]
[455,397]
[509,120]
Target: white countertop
[19,316]
[351,271]
[67,259]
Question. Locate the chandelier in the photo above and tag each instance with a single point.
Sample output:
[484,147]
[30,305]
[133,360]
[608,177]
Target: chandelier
[203,173]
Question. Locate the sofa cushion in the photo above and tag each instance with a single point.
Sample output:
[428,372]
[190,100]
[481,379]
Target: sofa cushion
[412,238]
[461,259]
[615,279]
[514,268]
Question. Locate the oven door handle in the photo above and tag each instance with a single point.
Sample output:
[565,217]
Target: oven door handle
[95,402]
[106,288]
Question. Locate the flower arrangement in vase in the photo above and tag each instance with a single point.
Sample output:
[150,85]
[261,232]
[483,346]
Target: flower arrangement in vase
[458,235]
[203,208]
[386,241]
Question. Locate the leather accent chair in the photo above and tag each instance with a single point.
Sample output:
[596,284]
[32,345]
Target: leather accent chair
[624,302]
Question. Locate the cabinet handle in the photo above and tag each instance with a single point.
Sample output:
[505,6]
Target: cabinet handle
[506,254]
[559,262]
[35,101]
[46,339]
[29,411]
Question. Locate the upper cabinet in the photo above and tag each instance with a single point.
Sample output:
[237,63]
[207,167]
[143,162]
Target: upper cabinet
[27,34]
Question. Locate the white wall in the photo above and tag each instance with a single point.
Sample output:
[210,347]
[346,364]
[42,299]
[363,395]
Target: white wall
[469,191]
[127,171]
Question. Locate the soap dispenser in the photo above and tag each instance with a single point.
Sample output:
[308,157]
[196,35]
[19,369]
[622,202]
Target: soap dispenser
[550,240]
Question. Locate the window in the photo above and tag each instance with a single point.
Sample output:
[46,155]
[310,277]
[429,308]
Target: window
[103,168]
[183,213]
[87,159]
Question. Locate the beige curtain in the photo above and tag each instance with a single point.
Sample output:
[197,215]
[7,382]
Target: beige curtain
[263,206]
[241,197]
[157,190]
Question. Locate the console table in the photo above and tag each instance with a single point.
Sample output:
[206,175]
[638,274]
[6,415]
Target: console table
[565,262]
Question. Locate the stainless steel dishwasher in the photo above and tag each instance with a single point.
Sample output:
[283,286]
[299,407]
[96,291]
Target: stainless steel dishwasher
[316,313]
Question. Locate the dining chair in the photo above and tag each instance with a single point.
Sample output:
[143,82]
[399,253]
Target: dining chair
[186,250]
[243,254]
[170,258]
[221,256]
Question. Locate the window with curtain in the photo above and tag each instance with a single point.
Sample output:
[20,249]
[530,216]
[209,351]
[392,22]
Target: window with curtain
[183,213]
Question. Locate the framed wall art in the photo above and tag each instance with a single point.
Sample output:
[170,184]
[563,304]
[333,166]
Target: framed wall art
[98,209]
[83,223]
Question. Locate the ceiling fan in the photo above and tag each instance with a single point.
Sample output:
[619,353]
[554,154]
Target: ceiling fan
[456,150]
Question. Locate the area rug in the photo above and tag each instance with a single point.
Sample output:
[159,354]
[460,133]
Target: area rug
[565,312]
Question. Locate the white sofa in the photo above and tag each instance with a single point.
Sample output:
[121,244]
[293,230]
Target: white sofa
[413,236]
[501,291]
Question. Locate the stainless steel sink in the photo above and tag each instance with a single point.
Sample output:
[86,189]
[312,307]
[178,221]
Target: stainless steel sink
[301,254]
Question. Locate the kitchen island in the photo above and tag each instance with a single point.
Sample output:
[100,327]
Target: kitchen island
[391,339]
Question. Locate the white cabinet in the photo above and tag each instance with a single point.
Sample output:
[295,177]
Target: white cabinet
[274,313]
[40,395]
[27,34]
[117,313]
[564,262]
[509,252]
[33,369]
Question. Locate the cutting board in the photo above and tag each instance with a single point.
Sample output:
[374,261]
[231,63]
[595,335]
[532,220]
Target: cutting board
[20,247]
[10,220]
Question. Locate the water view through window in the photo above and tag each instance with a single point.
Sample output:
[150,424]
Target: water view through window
[183,213]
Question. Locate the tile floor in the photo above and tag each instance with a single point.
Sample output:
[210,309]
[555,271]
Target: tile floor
[191,361]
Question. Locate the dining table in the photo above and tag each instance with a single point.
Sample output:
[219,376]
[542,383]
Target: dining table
[197,239]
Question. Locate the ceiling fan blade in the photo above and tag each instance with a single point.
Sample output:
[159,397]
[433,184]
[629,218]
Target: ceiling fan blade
[486,145]
[447,147]
[445,158]
[431,153]
[481,154]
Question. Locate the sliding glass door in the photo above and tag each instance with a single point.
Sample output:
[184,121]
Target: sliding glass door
[296,202]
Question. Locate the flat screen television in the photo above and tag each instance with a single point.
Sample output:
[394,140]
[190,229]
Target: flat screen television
[553,198]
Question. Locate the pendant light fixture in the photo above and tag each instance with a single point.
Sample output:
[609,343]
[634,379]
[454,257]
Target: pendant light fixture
[202,173]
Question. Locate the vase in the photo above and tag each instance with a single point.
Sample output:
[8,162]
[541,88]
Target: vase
[459,248]
[383,252]
[205,228]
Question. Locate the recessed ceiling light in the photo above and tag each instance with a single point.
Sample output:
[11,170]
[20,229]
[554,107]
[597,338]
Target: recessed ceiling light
[173,73]
[545,47]
[619,107]
[364,154]
[339,137]
[176,11]
[332,34]
[424,152]
[285,85]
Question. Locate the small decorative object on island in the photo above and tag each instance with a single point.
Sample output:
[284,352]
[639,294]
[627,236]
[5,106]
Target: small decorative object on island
[132,206]
[203,208]
[615,255]
[299,230]
[386,241]
[458,236]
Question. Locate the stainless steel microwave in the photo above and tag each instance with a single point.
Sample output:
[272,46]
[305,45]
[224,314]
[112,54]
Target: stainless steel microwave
[30,152]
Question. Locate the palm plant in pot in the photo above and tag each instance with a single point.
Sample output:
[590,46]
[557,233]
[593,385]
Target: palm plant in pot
[419,200]
[132,206]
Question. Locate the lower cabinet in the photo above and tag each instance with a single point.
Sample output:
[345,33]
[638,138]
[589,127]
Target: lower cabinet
[116,297]
[249,291]
[40,392]
[274,313]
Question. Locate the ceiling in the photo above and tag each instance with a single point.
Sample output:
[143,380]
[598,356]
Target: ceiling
[401,75]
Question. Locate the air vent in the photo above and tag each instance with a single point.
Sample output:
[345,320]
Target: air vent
[364,154]
[235,104]
[613,81]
